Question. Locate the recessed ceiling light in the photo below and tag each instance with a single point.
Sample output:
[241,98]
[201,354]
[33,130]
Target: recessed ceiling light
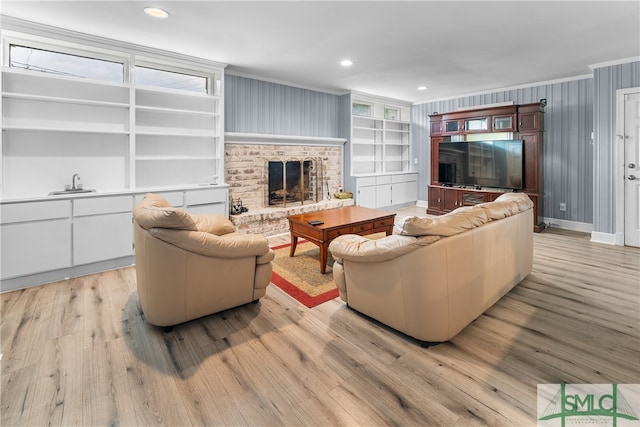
[156,12]
[422,88]
[346,63]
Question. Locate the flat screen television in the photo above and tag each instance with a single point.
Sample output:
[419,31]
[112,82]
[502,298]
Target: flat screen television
[496,164]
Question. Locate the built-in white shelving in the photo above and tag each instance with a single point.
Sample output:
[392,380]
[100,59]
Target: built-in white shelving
[114,135]
[379,145]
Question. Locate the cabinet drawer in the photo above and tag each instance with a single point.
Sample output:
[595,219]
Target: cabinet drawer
[364,182]
[383,223]
[338,232]
[204,197]
[219,208]
[410,177]
[358,228]
[383,180]
[174,198]
[34,211]
[102,205]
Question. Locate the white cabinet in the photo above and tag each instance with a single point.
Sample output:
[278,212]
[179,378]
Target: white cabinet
[366,192]
[102,229]
[35,237]
[383,191]
[386,190]
[214,200]
[47,240]
[380,137]
[405,188]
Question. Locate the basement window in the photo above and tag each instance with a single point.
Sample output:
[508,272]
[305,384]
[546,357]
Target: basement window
[361,109]
[65,64]
[147,76]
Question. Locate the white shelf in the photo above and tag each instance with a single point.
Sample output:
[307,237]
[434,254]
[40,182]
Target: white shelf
[174,132]
[30,97]
[36,128]
[162,110]
[163,158]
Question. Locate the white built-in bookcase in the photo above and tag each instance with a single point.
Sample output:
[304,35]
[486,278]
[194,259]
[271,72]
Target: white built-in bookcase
[380,137]
[116,136]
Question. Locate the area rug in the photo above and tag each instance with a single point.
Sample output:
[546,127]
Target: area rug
[300,277]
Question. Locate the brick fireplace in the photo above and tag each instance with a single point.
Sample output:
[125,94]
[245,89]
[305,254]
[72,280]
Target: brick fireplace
[247,170]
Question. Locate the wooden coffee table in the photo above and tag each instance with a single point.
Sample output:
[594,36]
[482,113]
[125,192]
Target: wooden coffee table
[336,222]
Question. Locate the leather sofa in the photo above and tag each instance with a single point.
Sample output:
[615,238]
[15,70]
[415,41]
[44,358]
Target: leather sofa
[434,276]
[193,265]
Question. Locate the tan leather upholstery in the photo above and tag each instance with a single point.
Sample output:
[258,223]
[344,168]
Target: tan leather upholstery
[189,266]
[432,284]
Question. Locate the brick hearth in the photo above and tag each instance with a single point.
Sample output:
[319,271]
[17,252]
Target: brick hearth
[272,221]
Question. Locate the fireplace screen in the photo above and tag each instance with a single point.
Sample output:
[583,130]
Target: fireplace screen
[293,182]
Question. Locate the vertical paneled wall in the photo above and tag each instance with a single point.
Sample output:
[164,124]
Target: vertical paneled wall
[256,106]
[568,149]
[606,81]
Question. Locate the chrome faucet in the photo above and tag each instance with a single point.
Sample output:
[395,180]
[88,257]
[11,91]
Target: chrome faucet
[73,181]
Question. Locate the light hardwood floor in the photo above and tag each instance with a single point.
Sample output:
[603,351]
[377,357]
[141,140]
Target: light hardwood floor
[78,352]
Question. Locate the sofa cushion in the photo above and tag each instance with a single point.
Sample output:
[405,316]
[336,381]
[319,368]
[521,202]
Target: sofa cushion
[521,199]
[154,211]
[455,222]
[353,247]
[506,204]
[499,210]
[217,224]
[207,244]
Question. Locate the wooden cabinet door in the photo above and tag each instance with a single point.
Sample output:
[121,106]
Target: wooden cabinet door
[450,199]
[503,123]
[528,121]
[435,196]
[436,128]
[532,167]
[434,159]
[453,127]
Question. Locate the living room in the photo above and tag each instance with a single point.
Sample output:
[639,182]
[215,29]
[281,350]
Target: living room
[582,197]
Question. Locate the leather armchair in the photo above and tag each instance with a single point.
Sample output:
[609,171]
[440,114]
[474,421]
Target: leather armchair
[193,265]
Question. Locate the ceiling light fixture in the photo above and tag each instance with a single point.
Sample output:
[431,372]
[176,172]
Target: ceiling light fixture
[346,63]
[422,88]
[156,12]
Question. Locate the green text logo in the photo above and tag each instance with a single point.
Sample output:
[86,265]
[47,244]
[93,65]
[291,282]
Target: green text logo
[588,404]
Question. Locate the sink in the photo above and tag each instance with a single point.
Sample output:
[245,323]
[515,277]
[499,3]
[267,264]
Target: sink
[70,191]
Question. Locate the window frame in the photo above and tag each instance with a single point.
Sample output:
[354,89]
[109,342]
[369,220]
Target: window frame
[10,38]
[174,67]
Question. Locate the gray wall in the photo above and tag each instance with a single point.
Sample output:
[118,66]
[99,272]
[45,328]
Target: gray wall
[568,151]
[256,106]
[606,81]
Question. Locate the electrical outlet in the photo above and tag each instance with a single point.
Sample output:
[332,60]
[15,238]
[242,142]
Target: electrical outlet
[563,207]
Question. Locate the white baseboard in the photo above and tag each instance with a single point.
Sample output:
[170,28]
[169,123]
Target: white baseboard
[607,238]
[422,203]
[583,227]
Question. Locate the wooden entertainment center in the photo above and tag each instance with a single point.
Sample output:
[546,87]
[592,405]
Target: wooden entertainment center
[525,122]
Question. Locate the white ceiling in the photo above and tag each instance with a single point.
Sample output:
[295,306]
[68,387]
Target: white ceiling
[453,47]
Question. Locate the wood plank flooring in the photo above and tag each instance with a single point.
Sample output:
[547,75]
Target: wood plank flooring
[78,352]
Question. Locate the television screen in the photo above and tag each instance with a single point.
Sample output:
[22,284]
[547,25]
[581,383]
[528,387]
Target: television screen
[496,164]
